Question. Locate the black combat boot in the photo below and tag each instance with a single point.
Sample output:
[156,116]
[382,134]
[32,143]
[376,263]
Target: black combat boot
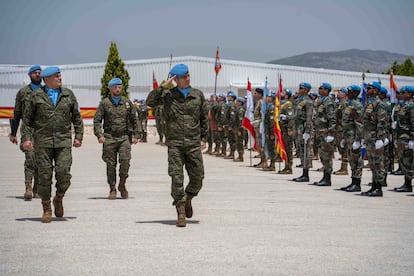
[304,177]
[355,185]
[373,184]
[347,187]
[326,181]
[320,181]
[407,187]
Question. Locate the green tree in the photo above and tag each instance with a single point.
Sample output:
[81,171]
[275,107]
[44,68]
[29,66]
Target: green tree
[114,68]
[394,67]
[406,69]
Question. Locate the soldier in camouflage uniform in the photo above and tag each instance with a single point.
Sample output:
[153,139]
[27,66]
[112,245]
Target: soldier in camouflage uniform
[304,130]
[375,115]
[343,151]
[287,126]
[269,132]
[142,111]
[383,96]
[325,124]
[220,120]
[230,113]
[403,123]
[47,124]
[239,131]
[22,97]
[186,130]
[351,120]
[257,120]
[211,134]
[118,114]
[160,124]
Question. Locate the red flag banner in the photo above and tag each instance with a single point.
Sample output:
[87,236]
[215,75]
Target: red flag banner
[217,65]
[248,116]
[280,145]
[393,89]
[154,81]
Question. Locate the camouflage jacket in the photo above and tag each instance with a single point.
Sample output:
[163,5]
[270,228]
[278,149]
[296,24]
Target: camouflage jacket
[52,126]
[325,120]
[186,118]
[240,112]
[118,120]
[22,97]
[375,115]
[404,119]
[338,113]
[304,114]
[269,119]
[220,114]
[351,122]
[286,108]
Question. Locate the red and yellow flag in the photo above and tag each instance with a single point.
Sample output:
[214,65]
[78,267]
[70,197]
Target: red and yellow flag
[217,65]
[154,81]
[280,145]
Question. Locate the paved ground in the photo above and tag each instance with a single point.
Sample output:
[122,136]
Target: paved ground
[246,222]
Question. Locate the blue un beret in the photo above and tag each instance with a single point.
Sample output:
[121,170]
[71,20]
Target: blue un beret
[383,90]
[326,86]
[114,81]
[313,92]
[354,87]
[33,68]
[240,99]
[232,94]
[375,84]
[305,84]
[343,90]
[179,70]
[408,88]
[222,95]
[50,71]
[288,92]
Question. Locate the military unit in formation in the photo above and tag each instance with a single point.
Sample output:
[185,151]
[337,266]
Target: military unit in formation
[317,124]
[313,123]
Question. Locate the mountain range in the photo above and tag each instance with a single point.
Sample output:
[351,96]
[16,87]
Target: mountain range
[347,60]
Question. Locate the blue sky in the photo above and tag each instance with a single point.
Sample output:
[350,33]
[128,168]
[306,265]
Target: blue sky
[80,31]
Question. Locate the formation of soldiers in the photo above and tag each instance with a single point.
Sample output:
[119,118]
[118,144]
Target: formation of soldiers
[317,124]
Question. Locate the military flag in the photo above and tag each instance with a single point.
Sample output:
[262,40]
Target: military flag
[280,145]
[154,81]
[248,116]
[393,89]
[217,65]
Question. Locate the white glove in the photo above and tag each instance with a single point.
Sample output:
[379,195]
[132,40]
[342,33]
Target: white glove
[306,136]
[379,144]
[411,144]
[356,145]
[282,117]
[329,139]
[342,143]
[386,141]
[363,143]
[394,125]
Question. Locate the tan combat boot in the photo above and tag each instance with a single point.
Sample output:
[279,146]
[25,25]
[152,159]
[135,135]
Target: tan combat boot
[271,167]
[180,215]
[47,211]
[343,170]
[122,188]
[188,206]
[28,194]
[112,192]
[286,170]
[57,204]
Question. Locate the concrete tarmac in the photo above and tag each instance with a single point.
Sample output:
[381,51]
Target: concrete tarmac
[246,222]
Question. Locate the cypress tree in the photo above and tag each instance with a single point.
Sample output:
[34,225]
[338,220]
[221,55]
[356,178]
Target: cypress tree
[114,68]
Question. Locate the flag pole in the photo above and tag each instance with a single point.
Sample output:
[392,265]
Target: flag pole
[250,140]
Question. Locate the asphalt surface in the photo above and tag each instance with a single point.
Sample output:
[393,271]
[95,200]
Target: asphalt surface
[246,222]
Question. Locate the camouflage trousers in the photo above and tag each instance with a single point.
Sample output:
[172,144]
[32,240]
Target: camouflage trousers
[189,156]
[375,160]
[355,159]
[270,144]
[259,144]
[240,134]
[326,151]
[231,138]
[343,151]
[288,140]
[114,149]
[160,127]
[47,159]
[305,157]
[30,168]
[221,138]
[406,157]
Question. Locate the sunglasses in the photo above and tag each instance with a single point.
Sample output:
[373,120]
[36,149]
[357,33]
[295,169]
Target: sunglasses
[401,92]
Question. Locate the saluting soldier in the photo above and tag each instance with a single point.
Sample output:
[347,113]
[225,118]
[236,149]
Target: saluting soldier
[325,122]
[22,97]
[352,134]
[375,133]
[304,130]
[118,115]
[287,126]
[403,123]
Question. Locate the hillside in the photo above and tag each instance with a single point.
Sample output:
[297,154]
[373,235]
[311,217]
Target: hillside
[348,60]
